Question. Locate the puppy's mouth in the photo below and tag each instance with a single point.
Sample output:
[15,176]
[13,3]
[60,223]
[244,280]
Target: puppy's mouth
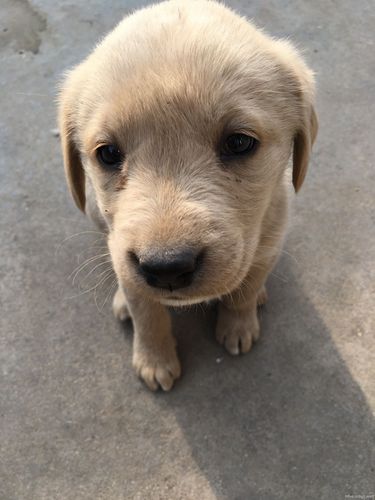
[181,278]
[175,297]
[174,301]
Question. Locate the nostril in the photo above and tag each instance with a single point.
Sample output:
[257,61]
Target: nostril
[133,258]
[169,262]
[169,269]
[199,259]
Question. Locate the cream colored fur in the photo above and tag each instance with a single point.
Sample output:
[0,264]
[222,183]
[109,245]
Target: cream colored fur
[167,85]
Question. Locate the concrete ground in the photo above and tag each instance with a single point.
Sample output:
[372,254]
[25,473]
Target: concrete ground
[291,420]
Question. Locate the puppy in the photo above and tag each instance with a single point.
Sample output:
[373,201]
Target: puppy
[176,135]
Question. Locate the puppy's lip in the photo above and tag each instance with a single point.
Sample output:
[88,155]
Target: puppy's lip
[186,301]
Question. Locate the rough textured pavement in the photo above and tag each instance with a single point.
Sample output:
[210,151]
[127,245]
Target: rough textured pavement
[292,420]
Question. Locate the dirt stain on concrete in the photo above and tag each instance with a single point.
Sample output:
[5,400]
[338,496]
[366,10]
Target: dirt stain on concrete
[20,26]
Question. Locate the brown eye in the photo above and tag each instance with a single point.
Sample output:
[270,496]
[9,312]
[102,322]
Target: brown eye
[110,156]
[239,144]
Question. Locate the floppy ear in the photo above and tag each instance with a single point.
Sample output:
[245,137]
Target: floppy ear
[303,141]
[74,171]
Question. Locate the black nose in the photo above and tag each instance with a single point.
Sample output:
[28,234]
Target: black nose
[170,269]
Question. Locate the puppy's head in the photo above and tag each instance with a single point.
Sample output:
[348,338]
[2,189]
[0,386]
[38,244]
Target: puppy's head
[183,120]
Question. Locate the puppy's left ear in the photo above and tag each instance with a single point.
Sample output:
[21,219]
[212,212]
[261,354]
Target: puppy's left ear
[74,172]
[302,144]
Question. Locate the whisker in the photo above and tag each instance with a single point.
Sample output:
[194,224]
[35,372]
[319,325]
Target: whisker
[82,284]
[93,287]
[113,284]
[101,284]
[31,94]
[96,248]
[80,267]
[94,268]
[74,236]
[280,250]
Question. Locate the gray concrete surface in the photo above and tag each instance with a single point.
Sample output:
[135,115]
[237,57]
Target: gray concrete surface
[292,420]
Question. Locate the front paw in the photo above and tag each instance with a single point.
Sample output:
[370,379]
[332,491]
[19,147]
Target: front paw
[157,366]
[262,296]
[120,306]
[237,331]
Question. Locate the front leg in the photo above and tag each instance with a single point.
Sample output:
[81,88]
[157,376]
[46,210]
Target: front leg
[120,306]
[237,323]
[154,348]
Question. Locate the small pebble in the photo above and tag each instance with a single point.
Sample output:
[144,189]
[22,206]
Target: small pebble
[55,132]
[219,360]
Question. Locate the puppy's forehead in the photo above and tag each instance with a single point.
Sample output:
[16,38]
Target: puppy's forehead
[169,99]
[141,80]
[200,98]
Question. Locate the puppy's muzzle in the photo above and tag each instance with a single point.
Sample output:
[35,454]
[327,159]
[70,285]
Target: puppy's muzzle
[168,269]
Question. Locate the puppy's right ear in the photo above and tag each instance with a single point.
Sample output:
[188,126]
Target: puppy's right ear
[74,172]
[303,142]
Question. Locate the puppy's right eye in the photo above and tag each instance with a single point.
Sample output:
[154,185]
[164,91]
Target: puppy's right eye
[239,145]
[110,156]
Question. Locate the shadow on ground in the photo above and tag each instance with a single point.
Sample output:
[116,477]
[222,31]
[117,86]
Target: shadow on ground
[283,419]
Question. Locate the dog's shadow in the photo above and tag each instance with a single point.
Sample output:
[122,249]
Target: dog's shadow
[285,421]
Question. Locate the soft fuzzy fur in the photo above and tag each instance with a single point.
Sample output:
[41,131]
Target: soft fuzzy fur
[167,86]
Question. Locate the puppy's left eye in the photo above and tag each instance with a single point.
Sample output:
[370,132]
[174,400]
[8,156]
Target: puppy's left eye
[110,156]
[239,144]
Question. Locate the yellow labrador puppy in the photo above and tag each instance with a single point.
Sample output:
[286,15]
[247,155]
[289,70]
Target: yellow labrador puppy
[176,134]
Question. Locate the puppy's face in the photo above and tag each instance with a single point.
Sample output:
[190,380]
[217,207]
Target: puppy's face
[185,146]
